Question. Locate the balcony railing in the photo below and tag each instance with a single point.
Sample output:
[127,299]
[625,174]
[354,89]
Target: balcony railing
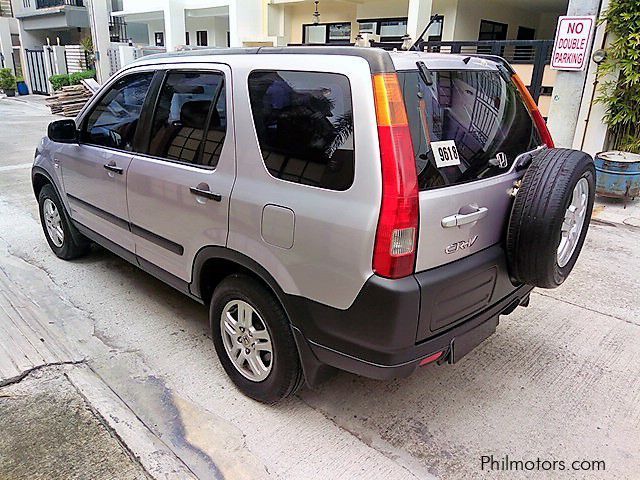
[118,29]
[5,8]
[58,3]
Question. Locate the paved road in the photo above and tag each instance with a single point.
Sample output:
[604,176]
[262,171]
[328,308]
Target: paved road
[560,380]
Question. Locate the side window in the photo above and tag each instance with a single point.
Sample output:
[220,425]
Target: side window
[114,120]
[304,123]
[183,111]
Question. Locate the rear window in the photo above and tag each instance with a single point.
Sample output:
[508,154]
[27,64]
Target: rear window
[466,125]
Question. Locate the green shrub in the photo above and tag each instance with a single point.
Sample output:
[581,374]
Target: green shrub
[64,80]
[7,79]
[75,78]
[59,81]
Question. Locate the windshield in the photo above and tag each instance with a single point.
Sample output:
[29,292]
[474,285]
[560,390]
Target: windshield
[465,125]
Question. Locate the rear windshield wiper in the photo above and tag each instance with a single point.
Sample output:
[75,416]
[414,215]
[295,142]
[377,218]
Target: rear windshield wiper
[425,74]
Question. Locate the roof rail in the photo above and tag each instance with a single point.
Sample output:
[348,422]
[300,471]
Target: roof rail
[379,60]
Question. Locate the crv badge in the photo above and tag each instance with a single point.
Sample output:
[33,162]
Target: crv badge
[463,245]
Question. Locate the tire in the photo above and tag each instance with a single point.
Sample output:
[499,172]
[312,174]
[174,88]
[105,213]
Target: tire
[535,227]
[285,375]
[71,243]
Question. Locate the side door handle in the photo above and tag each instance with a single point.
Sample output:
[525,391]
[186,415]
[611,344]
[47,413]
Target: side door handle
[464,218]
[203,191]
[112,167]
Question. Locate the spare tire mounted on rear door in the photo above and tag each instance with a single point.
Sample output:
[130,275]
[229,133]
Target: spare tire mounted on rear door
[550,217]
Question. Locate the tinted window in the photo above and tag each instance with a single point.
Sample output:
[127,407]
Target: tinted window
[304,123]
[214,140]
[181,117]
[114,120]
[480,110]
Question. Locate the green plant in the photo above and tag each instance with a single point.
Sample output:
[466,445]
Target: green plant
[64,79]
[75,78]
[621,96]
[87,44]
[7,79]
[59,81]
[19,79]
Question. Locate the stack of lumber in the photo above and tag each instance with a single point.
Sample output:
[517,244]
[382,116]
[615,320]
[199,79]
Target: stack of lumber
[68,101]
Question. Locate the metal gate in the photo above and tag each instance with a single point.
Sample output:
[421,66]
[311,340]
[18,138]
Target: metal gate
[37,71]
[536,53]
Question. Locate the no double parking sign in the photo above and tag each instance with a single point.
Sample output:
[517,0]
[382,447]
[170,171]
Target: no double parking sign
[573,40]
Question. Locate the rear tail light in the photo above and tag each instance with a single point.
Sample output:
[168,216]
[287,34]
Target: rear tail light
[394,253]
[534,111]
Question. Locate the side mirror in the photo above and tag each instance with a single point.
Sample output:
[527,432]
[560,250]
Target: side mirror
[63,131]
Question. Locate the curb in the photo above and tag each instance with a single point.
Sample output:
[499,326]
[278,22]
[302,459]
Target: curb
[154,456]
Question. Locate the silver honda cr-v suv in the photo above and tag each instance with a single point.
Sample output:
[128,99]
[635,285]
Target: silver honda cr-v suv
[337,207]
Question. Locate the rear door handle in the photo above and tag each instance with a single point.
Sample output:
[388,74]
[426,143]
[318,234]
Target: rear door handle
[112,167]
[200,192]
[464,218]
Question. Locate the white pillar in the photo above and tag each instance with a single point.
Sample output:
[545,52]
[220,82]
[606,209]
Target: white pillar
[174,25]
[99,17]
[58,59]
[5,42]
[591,131]
[151,33]
[277,24]
[246,22]
[418,15]
[127,54]
[30,41]
[569,88]
[50,64]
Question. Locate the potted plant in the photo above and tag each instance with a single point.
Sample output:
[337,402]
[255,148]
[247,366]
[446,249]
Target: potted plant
[87,46]
[22,86]
[7,82]
[618,171]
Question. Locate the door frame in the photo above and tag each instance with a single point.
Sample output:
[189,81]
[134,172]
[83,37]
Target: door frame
[146,120]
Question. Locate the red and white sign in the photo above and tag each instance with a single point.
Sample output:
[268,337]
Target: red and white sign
[573,40]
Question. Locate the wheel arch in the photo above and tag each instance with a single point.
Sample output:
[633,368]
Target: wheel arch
[214,263]
[39,178]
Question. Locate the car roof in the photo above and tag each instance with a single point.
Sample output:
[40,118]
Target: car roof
[380,61]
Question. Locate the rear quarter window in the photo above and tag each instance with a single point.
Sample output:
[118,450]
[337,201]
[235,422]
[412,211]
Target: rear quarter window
[304,124]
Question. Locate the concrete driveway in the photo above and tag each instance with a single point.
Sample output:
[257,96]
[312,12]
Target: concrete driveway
[560,380]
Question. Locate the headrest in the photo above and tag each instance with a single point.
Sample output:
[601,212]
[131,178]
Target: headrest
[194,113]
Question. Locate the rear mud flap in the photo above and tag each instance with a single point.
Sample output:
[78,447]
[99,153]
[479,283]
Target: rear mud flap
[463,344]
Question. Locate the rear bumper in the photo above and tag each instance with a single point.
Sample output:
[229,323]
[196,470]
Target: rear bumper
[394,324]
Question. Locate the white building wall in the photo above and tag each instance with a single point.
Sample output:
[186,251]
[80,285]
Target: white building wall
[419,14]
[99,12]
[221,30]
[247,22]
[154,26]
[5,41]
[382,9]
[215,26]
[547,23]
[470,12]
[448,8]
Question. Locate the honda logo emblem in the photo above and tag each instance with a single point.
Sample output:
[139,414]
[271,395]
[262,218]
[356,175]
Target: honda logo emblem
[502,159]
